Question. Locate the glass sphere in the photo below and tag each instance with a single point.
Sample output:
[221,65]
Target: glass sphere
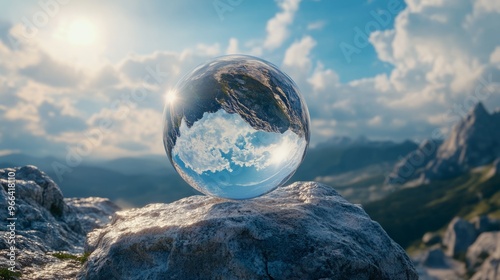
[236,127]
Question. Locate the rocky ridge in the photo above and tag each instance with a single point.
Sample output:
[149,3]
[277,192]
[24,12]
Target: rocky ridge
[473,142]
[46,223]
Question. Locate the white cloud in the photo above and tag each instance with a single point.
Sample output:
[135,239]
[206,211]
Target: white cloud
[487,6]
[209,142]
[232,48]
[107,76]
[439,51]
[317,25]
[297,55]
[495,56]
[50,72]
[56,105]
[277,27]
[209,50]
[375,121]
[323,78]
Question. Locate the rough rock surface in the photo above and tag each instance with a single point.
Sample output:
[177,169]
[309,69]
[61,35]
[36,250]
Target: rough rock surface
[473,142]
[92,212]
[302,231]
[481,258]
[485,245]
[459,235]
[490,269]
[45,224]
[411,166]
[435,258]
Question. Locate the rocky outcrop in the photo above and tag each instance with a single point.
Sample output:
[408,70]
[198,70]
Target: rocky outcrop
[302,231]
[485,245]
[44,224]
[435,258]
[412,165]
[459,235]
[490,269]
[465,255]
[92,212]
[473,142]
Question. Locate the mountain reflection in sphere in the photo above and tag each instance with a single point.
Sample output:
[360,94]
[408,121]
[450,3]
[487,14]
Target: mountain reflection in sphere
[236,127]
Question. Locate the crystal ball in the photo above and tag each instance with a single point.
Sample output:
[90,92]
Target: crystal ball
[235,127]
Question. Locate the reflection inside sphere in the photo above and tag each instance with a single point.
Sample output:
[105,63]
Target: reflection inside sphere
[236,127]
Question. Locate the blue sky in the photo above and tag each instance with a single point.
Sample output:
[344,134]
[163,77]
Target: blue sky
[67,67]
[175,25]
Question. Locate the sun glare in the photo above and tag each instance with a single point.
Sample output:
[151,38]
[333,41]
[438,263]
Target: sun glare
[171,96]
[82,32]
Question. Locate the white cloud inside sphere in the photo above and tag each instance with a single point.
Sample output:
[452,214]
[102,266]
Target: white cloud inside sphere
[220,139]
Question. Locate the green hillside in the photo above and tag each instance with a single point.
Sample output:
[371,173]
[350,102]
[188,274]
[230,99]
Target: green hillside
[409,213]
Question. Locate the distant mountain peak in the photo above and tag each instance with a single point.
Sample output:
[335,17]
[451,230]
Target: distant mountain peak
[478,112]
[473,142]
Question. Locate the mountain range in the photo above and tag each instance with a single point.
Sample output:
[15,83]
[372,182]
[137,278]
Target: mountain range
[460,178]
[409,189]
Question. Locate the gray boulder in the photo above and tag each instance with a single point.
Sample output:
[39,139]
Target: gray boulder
[459,235]
[490,269]
[92,212]
[302,231]
[45,224]
[485,245]
[435,258]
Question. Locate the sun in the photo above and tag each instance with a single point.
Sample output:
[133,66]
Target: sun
[82,32]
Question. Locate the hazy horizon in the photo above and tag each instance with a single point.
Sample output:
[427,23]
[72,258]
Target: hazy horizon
[91,77]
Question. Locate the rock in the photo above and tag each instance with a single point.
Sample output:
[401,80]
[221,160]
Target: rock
[410,167]
[435,258]
[431,238]
[484,224]
[92,212]
[459,235]
[45,224]
[485,245]
[302,231]
[474,142]
[433,264]
[490,269]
